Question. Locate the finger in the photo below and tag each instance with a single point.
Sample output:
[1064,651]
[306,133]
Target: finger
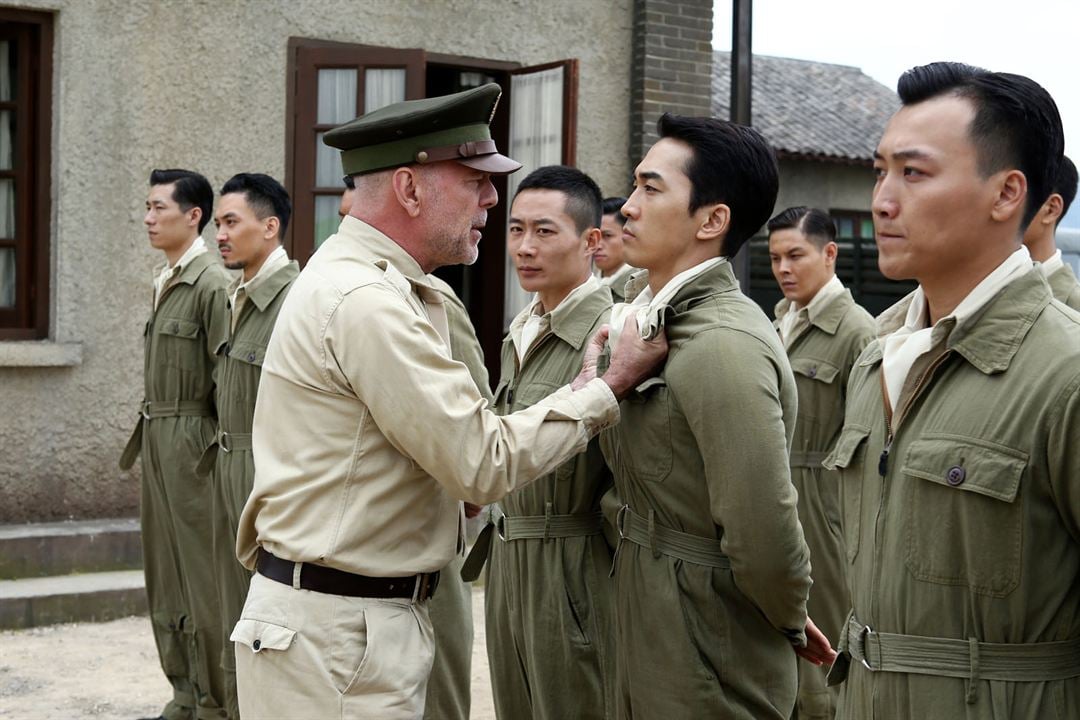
[601,335]
[630,326]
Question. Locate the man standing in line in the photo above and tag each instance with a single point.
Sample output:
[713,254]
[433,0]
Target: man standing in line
[186,326]
[449,690]
[823,331]
[960,480]
[614,272]
[252,216]
[548,593]
[1039,237]
[368,435]
[712,572]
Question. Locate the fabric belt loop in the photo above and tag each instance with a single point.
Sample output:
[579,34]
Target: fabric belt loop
[973,681]
[547,521]
[652,535]
[297,569]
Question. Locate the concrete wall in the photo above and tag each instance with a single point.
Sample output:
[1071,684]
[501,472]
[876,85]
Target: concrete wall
[202,85]
[824,185]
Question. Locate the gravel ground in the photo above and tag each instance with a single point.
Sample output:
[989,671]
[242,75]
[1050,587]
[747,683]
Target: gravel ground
[110,671]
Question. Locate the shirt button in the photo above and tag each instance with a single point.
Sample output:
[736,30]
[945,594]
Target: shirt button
[256,645]
[813,372]
[956,475]
[251,357]
[175,327]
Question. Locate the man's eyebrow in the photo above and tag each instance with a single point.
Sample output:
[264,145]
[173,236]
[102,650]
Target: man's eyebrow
[537,221]
[649,175]
[913,154]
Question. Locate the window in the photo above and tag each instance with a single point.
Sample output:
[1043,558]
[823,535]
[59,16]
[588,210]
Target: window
[856,266]
[331,83]
[25,122]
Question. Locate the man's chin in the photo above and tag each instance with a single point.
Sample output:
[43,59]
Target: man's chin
[234,264]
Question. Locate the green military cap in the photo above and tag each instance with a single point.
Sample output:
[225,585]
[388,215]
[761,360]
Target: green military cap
[451,127]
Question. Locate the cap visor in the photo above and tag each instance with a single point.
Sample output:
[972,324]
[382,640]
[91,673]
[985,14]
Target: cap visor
[494,163]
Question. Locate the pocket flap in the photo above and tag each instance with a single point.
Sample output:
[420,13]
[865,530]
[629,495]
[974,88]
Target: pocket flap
[259,635]
[819,370]
[850,438]
[967,463]
[178,327]
[649,384]
[248,352]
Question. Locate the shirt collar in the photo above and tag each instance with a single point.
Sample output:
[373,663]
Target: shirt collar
[572,318]
[1054,263]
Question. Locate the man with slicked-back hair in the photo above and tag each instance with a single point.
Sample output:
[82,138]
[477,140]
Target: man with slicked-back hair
[1040,241]
[960,480]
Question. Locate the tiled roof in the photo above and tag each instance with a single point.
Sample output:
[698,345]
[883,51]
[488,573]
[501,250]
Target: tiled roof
[810,109]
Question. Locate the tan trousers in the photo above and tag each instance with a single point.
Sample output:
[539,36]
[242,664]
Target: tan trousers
[303,654]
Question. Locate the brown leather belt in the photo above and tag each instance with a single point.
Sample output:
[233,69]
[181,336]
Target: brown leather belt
[338,582]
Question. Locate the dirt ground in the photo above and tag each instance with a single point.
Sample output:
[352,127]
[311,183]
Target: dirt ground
[110,671]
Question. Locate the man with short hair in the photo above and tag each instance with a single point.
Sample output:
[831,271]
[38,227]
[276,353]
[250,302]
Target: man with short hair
[613,270]
[1039,237]
[186,326]
[823,331]
[252,216]
[548,595]
[712,572]
[368,434]
[960,480]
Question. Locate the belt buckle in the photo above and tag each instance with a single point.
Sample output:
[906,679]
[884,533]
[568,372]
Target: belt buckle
[864,632]
[620,521]
[223,444]
[144,409]
[500,527]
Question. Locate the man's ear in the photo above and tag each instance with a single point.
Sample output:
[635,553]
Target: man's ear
[406,190]
[592,241]
[1052,209]
[194,216]
[1011,194]
[271,226]
[716,223]
[831,250]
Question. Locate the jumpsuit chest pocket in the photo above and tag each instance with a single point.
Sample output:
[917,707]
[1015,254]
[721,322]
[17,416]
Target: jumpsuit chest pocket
[821,371]
[646,445]
[961,514]
[249,353]
[819,397]
[178,343]
[523,396]
[848,458]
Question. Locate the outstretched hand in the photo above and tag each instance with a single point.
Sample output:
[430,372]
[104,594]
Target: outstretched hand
[632,359]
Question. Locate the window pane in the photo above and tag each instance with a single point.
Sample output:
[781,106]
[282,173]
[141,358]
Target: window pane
[7,70]
[7,139]
[326,217]
[7,277]
[7,208]
[328,172]
[845,228]
[382,87]
[337,96]
[867,228]
[536,126]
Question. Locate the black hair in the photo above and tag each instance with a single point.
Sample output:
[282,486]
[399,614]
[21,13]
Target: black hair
[613,206]
[1065,184]
[731,164]
[264,195]
[583,197]
[1016,124]
[817,225]
[190,189]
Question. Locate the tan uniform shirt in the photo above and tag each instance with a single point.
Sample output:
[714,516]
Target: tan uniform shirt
[367,433]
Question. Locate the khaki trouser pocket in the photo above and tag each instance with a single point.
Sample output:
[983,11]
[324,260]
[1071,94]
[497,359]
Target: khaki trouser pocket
[259,635]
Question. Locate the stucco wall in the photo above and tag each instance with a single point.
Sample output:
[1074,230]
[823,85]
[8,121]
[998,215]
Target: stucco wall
[824,185]
[202,85]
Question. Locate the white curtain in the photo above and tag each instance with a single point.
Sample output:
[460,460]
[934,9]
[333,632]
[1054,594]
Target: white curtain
[536,128]
[337,96]
[382,87]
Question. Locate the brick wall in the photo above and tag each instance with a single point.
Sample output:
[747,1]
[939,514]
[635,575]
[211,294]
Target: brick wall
[672,65]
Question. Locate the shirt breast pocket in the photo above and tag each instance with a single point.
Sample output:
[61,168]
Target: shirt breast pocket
[646,412]
[249,353]
[847,458]
[178,343]
[819,396]
[961,513]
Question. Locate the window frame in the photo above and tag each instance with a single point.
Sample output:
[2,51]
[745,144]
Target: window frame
[31,170]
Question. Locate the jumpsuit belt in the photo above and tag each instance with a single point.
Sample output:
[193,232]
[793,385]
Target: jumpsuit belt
[953,657]
[527,527]
[807,459]
[225,442]
[645,532]
[151,409]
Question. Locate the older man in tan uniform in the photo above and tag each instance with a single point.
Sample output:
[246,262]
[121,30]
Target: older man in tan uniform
[368,434]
